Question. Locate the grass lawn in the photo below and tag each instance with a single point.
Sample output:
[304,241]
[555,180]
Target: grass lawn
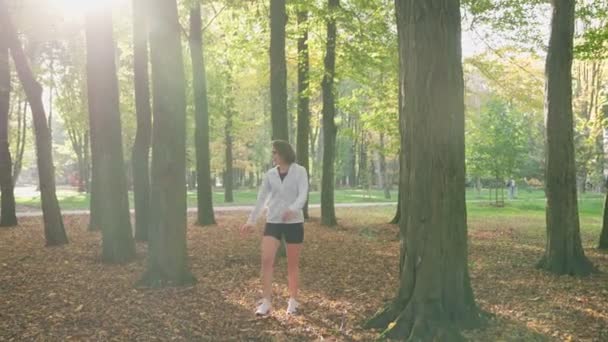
[531,202]
[72,200]
[65,293]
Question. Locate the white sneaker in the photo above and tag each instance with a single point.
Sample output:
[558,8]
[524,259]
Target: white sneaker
[292,306]
[264,307]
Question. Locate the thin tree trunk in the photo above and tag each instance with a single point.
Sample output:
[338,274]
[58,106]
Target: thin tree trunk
[141,146]
[87,162]
[328,211]
[167,245]
[228,170]
[303,96]
[51,89]
[564,251]
[434,298]
[386,182]
[400,192]
[54,231]
[205,215]
[278,70]
[104,114]
[21,135]
[8,217]
[603,244]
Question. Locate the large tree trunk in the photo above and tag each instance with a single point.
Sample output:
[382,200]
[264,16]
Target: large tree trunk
[435,296]
[564,251]
[303,96]
[104,111]
[328,210]
[278,70]
[141,146]
[167,247]
[54,231]
[8,218]
[204,190]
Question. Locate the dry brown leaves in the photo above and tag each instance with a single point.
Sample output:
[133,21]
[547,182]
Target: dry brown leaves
[65,293]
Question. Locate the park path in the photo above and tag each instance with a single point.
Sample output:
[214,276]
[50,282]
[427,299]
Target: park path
[226,208]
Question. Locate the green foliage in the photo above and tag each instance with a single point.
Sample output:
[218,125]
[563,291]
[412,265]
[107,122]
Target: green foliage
[495,141]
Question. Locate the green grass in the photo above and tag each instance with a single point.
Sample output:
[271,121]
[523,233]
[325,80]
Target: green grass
[529,203]
[72,200]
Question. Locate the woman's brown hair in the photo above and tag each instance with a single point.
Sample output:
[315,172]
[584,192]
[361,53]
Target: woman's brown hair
[284,150]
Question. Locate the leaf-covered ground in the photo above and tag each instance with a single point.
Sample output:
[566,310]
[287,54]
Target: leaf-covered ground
[65,293]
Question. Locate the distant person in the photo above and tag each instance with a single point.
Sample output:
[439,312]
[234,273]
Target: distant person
[284,189]
[512,188]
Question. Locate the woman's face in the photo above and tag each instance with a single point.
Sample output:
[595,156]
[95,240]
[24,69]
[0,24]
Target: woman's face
[276,158]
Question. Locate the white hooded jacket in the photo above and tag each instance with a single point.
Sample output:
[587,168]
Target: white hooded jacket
[279,196]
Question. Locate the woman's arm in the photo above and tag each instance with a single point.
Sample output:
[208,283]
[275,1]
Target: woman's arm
[302,180]
[262,196]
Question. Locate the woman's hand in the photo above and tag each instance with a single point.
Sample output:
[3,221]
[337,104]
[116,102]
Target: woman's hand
[246,229]
[288,215]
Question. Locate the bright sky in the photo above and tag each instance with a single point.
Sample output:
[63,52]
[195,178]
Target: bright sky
[471,46]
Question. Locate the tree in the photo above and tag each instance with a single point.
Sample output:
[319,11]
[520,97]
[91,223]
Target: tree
[104,115]
[603,244]
[434,294]
[400,193]
[54,231]
[167,250]
[564,252]
[278,70]
[385,180]
[228,100]
[201,106]
[141,147]
[496,143]
[22,106]
[328,211]
[303,95]
[8,218]
[71,103]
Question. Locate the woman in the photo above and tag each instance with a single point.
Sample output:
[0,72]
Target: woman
[284,190]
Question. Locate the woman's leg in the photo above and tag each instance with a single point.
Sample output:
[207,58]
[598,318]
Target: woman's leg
[293,268]
[269,250]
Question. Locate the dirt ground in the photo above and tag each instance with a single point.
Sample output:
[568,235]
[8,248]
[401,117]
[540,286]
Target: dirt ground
[65,293]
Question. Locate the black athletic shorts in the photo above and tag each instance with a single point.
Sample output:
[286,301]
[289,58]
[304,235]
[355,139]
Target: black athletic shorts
[293,232]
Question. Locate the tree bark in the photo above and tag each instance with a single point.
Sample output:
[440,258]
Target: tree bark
[204,190]
[328,210]
[303,96]
[21,135]
[564,251]
[386,182]
[141,146]
[54,231]
[104,114]
[278,71]
[434,298]
[228,170]
[167,246]
[8,217]
[603,244]
[400,192]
